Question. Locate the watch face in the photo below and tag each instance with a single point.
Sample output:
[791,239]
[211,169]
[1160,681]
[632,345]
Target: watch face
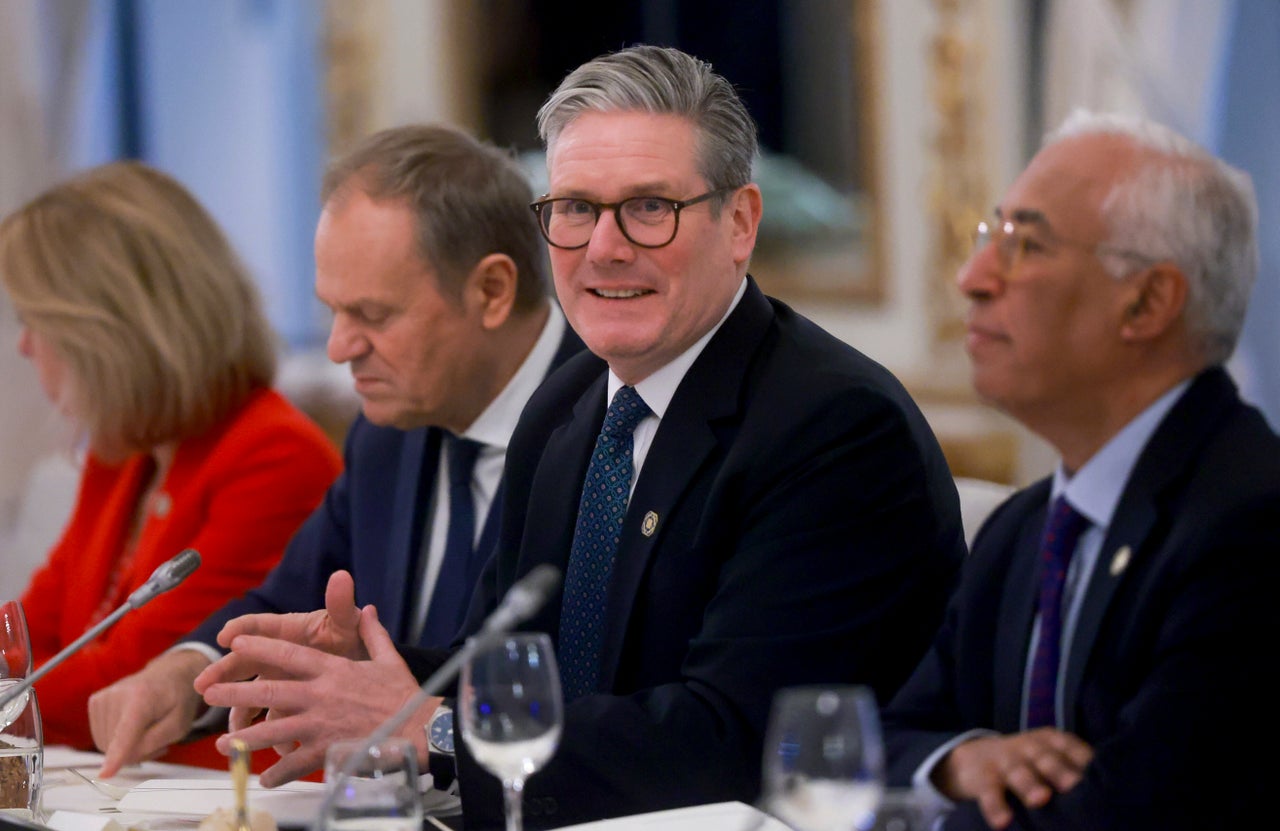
[440,733]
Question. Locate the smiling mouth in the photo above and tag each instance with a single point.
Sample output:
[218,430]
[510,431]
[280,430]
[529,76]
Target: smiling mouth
[620,294]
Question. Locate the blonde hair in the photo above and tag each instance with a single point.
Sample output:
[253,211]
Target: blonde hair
[138,292]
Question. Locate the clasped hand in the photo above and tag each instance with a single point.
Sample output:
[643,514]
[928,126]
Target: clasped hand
[1032,765]
[317,677]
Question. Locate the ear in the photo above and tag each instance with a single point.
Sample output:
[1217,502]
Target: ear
[1156,302]
[745,208]
[491,288]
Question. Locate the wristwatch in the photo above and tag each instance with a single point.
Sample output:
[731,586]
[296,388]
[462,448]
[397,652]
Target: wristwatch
[440,730]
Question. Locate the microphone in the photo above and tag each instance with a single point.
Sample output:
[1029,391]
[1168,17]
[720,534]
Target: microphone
[525,597]
[165,577]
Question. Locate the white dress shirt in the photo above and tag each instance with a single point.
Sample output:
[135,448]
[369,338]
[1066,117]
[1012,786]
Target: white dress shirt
[659,388]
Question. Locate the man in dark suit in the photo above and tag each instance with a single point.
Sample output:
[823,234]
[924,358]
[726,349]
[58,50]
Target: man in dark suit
[1103,663]
[792,520]
[429,260]
[780,513]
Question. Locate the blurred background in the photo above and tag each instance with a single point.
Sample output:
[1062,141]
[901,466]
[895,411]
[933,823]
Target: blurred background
[888,127]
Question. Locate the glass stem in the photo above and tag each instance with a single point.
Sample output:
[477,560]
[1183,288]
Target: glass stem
[512,791]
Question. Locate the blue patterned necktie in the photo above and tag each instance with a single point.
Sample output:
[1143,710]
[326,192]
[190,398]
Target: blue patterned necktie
[1061,533]
[605,493]
[447,607]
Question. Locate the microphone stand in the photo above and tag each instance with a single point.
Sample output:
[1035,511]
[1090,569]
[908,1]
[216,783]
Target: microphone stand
[542,580]
[166,576]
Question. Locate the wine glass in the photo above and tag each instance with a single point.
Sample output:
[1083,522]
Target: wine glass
[824,759]
[511,711]
[372,785]
[21,738]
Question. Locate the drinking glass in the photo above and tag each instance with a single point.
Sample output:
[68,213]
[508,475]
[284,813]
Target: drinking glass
[511,711]
[21,739]
[372,787]
[824,760]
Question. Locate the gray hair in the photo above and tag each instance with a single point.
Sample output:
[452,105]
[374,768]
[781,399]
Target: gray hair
[662,81]
[1184,206]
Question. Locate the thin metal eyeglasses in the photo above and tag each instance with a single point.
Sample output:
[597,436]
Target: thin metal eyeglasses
[1014,240]
[647,221]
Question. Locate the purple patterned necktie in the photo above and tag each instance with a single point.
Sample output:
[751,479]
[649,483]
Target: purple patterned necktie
[605,493]
[1061,533]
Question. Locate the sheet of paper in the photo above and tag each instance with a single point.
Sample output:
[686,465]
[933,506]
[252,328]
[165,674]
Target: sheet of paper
[720,816]
[293,804]
[57,757]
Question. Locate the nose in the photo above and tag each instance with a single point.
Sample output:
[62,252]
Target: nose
[608,244]
[982,277]
[25,347]
[346,341]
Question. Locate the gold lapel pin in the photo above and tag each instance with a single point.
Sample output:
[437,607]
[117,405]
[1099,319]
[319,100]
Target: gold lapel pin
[650,524]
[1121,560]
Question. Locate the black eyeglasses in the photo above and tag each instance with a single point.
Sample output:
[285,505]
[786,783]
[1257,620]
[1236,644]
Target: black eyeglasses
[646,221]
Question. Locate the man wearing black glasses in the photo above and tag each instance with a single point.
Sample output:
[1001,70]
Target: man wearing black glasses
[738,501]
[1104,663]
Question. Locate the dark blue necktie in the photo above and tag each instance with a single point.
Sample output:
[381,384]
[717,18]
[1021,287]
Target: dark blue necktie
[1061,533]
[448,601]
[605,493]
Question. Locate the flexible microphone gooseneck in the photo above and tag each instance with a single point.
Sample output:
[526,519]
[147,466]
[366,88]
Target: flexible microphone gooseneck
[521,601]
[165,577]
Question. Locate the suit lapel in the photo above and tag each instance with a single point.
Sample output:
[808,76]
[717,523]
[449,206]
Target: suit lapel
[709,392]
[1164,461]
[1018,604]
[556,489]
[404,540]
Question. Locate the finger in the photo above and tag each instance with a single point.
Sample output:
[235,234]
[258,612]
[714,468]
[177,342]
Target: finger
[340,600]
[230,667]
[1055,768]
[376,639]
[286,731]
[1058,758]
[281,749]
[292,765]
[1027,783]
[279,659]
[241,717]
[266,624]
[995,809]
[262,694]
[1077,752]
[124,743]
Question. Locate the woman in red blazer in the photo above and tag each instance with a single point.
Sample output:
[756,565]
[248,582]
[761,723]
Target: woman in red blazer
[147,333]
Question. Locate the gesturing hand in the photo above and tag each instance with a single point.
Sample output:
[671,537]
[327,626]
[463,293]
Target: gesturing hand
[1033,765]
[332,630]
[313,698]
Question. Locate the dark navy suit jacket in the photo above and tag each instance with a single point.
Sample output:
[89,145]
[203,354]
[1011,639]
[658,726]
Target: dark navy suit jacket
[1165,673]
[807,531]
[370,523]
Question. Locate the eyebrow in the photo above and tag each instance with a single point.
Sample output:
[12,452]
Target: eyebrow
[645,189]
[1026,216]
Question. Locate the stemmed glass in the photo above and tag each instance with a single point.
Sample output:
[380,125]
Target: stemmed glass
[511,711]
[21,738]
[824,759]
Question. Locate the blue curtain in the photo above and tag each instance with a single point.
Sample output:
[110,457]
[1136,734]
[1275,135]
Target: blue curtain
[1244,131]
[226,95]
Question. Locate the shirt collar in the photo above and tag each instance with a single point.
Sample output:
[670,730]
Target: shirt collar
[1096,488]
[659,388]
[498,420]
